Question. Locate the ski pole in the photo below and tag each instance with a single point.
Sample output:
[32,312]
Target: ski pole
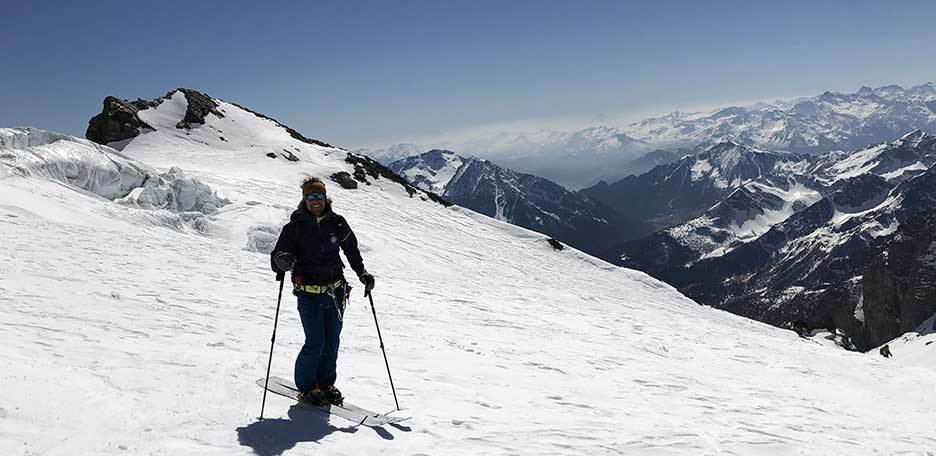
[379,337]
[266,383]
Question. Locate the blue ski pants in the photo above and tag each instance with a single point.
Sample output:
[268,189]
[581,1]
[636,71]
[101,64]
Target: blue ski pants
[321,322]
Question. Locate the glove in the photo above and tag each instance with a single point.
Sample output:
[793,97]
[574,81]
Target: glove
[367,280]
[284,261]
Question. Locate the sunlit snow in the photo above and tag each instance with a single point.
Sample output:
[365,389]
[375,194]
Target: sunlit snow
[122,335]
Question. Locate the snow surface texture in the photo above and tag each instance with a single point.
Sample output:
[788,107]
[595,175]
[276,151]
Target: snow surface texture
[125,337]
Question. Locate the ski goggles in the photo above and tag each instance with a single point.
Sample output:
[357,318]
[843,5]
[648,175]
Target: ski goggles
[315,197]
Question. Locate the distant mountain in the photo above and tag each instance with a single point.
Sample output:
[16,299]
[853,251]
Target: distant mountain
[829,121]
[521,199]
[574,159]
[799,243]
[393,153]
[675,192]
[580,158]
[649,161]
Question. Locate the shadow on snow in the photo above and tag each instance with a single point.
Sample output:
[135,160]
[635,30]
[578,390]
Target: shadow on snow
[271,437]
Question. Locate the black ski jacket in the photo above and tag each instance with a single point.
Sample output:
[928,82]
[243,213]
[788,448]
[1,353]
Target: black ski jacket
[314,244]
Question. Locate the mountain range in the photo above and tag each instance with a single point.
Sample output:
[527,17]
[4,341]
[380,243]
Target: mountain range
[580,158]
[778,236]
[521,199]
[788,238]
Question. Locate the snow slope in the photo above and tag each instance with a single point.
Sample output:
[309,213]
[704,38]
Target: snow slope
[122,336]
[917,347]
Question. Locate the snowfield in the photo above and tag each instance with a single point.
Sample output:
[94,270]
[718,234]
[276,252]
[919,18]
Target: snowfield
[125,332]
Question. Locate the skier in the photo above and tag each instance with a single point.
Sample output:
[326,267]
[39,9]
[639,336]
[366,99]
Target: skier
[308,246]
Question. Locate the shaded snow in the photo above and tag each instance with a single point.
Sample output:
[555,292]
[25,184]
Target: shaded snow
[798,194]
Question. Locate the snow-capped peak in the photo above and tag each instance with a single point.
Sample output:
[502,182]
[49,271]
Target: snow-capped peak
[431,170]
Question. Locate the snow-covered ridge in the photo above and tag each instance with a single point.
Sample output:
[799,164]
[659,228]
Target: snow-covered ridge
[432,170]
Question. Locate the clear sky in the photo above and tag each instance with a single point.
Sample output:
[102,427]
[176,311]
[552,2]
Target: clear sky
[366,73]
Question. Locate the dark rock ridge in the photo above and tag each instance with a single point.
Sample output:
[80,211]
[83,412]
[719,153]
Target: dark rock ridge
[199,106]
[120,121]
[117,121]
[345,180]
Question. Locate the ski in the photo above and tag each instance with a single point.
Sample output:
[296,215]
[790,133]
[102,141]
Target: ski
[347,411]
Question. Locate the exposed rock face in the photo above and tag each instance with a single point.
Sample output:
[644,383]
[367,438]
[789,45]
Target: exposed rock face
[199,106]
[900,283]
[117,121]
[365,166]
[345,180]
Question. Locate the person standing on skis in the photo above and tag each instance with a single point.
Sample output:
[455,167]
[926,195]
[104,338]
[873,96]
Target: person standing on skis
[308,246]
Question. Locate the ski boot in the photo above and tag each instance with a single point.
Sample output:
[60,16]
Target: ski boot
[332,395]
[313,396]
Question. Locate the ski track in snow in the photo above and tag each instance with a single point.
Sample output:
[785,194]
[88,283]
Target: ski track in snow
[124,337]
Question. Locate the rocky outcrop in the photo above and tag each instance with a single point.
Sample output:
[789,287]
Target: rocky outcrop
[117,121]
[199,106]
[899,289]
[345,180]
[365,167]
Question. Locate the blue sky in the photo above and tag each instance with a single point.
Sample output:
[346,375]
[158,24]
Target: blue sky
[366,73]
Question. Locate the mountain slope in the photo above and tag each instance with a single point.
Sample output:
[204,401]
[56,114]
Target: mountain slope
[153,334]
[673,193]
[521,199]
[790,246]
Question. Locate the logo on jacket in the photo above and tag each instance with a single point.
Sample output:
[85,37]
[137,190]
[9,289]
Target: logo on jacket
[334,239]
